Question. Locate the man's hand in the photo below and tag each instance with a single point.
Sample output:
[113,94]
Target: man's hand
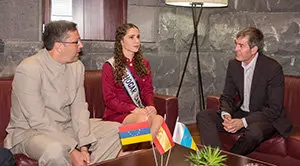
[151,110]
[77,159]
[227,118]
[84,151]
[232,125]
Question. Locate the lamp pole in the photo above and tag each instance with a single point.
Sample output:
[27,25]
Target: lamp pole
[196,19]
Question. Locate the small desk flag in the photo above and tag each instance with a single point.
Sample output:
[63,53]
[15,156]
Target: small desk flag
[135,133]
[163,140]
[182,136]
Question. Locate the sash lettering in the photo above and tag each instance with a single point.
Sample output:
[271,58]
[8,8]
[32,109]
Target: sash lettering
[130,85]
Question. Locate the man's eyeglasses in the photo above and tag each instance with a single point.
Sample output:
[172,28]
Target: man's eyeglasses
[75,42]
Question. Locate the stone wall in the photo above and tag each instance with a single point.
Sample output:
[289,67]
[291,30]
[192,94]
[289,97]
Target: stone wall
[279,21]
[166,32]
[20,19]
[13,52]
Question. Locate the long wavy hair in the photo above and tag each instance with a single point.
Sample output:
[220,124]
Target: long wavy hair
[120,59]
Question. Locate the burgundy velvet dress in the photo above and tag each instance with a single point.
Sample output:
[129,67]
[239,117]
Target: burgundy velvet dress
[118,104]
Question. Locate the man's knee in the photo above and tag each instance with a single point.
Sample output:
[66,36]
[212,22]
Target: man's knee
[205,115]
[135,118]
[141,118]
[114,125]
[55,151]
[254,133]
[156,120]
[201,115]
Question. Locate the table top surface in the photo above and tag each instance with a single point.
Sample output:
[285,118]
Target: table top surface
[177,157]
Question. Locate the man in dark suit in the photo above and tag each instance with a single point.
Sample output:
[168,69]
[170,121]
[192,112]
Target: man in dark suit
[258,82]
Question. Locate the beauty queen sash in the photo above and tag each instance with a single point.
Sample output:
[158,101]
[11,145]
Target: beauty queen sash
[130,85]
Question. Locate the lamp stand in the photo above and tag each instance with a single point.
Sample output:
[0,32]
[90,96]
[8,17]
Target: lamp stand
[196,19]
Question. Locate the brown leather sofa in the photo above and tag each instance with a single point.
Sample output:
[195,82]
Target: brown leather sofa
[166,105]
[276,150]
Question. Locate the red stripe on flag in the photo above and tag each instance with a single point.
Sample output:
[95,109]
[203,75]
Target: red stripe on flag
[165,127]
[163,141]
[160,149]
[133,126]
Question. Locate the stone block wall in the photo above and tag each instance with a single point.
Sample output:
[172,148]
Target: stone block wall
[279,21]
[13,52]
[166,34]
[20,19]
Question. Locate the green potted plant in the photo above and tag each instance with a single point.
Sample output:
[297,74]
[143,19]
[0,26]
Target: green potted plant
[207,156]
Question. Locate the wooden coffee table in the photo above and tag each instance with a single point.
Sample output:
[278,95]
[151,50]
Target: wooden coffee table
[177,158]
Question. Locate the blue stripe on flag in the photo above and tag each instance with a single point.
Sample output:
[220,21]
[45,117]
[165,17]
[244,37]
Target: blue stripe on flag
[187,138]
[134,133]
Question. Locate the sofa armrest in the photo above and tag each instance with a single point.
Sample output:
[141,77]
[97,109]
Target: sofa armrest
[213,103]
[167,105]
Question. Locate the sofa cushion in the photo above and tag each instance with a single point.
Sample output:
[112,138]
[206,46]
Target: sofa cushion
[276,145]
[23,160]
[293,143]
[289,161]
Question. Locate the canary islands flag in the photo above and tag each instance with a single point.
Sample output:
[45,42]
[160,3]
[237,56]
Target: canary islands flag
[135,133]
[163,140]
[183,136]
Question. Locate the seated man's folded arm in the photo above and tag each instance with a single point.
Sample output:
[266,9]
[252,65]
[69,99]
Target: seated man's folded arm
[28,97]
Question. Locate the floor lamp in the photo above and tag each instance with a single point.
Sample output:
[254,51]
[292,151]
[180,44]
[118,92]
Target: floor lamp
[194,4]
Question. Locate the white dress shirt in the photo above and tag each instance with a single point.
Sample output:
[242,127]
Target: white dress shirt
[248,75]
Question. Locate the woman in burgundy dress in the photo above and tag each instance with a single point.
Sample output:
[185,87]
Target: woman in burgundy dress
[127,82]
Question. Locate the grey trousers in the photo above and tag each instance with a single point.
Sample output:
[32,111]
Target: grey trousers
[50,152]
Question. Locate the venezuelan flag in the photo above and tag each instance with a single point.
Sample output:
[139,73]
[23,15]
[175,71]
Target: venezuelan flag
[183,137]
[135,133]
[163,140]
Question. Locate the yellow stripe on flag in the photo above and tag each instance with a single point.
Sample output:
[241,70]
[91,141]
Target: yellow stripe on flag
[163,139]
[136,139]
[194,146]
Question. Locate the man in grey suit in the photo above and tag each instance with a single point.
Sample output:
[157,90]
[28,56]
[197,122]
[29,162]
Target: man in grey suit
[258,82]
[49,116]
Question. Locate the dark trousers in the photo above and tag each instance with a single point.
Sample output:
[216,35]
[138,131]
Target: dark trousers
[210,123]
[6,158]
